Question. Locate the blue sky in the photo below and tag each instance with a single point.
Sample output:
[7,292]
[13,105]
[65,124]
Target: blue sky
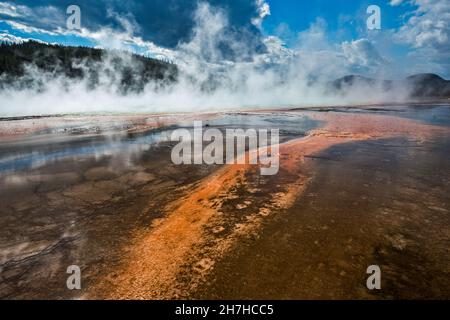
[299,14]
[414,34]
[344,15]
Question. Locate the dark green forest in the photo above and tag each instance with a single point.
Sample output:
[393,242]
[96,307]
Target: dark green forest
[33,64]
[29,64]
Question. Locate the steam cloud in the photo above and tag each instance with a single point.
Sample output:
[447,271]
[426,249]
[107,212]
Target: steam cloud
[210,78]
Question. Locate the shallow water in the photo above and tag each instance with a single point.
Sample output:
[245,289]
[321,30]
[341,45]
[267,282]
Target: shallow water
[128,148]
[430,114]
[382,202]
[436,115]
[82,199]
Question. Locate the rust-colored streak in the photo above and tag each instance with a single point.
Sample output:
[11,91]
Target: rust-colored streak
[155,258]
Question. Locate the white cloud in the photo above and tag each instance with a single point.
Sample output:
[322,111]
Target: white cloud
[429,25]
[314,38]
[395,2]
[103,38]
[42,19]
[321,55]
[29,29]
[362,53]
[279,77]
[428,32]
[6,37]
[263,10]
[277,52]
[14,11]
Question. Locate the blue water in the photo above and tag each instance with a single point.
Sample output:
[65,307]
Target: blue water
[436,115]
[31,155]
[36,155]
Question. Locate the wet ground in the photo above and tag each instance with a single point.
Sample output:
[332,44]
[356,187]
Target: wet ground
[383,202]
[354,189]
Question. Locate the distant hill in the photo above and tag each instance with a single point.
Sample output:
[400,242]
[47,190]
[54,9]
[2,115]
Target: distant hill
[428,85]
[29,64]
[34,65]
[419,86]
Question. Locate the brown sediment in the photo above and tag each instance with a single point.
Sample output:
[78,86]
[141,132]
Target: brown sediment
[19,127]
[158,255]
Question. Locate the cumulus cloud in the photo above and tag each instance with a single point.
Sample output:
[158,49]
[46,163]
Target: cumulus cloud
[428,26]
[163,22]
[9,38]
[395,2]
[52,22]
[362,54]
[315,37]
[9,10]
[208,80]
[324,57]
[263,10]
[41,19]
[428,31]
[220,66]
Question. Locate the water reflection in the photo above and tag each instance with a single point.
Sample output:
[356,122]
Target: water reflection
[34,156]
[429,114]
[127,149]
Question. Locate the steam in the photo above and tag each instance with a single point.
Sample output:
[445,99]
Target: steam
[210,78]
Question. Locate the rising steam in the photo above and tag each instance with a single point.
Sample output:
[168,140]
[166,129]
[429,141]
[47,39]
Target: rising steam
[209,79]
